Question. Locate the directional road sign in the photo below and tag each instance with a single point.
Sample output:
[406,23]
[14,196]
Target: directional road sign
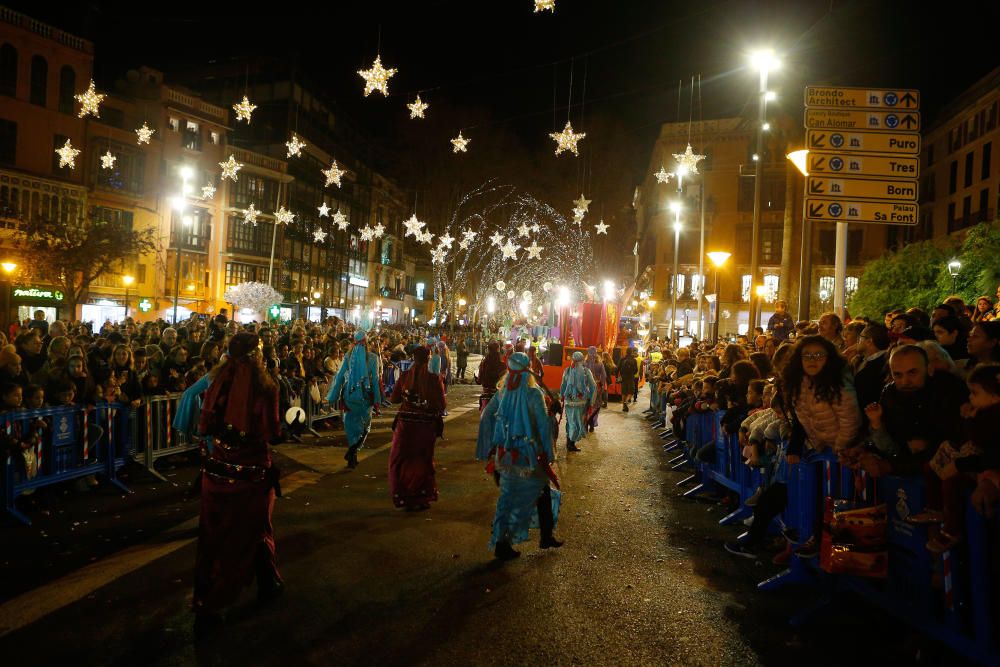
[849,210]
[862,188]
[862,98]
[861,165]
[876,121]
[895,143]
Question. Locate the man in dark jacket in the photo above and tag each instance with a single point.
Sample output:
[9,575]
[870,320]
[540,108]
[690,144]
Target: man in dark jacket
[628,371]
[871,375]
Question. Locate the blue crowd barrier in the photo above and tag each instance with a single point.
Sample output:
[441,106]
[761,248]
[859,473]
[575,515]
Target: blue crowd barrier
[67,443]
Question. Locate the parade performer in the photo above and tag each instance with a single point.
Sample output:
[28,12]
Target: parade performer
[356,389]
[536,364]
[514,437]
[596,368]
[235,535]
[579,393]
[416,427]
[491,369]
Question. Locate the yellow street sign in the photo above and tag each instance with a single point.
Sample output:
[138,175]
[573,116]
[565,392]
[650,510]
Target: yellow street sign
[861,166]
[860,188]
[862,98]
[847,210]
[896,143]
[873,121]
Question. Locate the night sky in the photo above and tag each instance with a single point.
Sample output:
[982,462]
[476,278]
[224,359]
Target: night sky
[495,68]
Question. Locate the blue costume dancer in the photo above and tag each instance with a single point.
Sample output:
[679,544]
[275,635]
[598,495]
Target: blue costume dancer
[514,436]
[579,392]
[596,368]
[357,390]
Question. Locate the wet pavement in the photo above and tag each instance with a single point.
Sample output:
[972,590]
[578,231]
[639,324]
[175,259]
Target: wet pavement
[642,579]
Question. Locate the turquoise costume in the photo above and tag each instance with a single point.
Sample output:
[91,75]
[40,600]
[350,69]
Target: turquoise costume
[189,411]
[358,386]
[579,392]
[514,436]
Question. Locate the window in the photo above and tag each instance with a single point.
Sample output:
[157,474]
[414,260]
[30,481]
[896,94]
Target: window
[745,292]
[771,285]
[770,244]
[215,137]
[679,284]
[828,246]
[175,124]
[421,288]
[194,227]
[969,157]
[966,211]
[128,173]
[772,193]
[117,217]
[237,273]
[8,142]
[249,188]
[851,285]
[953,177]
[249,239]
[697,284]
[8,70]
[984,206]
[67,88]
[826,284]
[140,274]
[113,117]
[987,157]
[192,136]
[952,222]
[39,81]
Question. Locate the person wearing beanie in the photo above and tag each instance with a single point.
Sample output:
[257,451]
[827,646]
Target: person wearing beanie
[357,391]
[514,437]
[579,393]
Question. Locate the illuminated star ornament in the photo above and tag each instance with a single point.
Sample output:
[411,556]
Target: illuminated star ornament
[497,240]
[243,110]
[324,210]
[340,220]
[566,140]
[583,203]
[578,214]
[446,240]
[208,192]
[663,176]
[250,215]
[413,227]
[108,160]
[417,108]
[463,244]
[284,216]
[376,78]
[230,167]
[438,255]
[469,235]
[688,161]
[144,134]
[459,144]
[319,235]
[378,231]
[426,237]
[523,230]
[366,233]
[333,174]
[67,155]
[602,228]
[536,228]
[295,146]
[534,250]
[510,250]
[542,5]
[89,101]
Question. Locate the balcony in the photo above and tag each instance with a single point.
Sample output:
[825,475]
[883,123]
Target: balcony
[28,198]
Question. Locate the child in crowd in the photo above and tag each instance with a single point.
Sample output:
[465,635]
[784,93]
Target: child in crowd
[34,397]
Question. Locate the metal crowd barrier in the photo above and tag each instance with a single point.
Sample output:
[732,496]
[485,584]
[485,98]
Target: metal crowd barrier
[964,614]
[153,432]
[66,443]
[316,412]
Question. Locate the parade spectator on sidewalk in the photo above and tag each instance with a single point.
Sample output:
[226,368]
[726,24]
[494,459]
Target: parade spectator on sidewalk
[831,328]
[780,325]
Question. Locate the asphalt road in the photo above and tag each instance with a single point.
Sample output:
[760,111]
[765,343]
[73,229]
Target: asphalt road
[641,579]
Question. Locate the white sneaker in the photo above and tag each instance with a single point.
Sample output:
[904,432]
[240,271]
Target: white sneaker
[748,521]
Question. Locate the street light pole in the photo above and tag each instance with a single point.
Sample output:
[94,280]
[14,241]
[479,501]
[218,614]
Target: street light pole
[127,280]
[676,208]
[763,61]
[718,259]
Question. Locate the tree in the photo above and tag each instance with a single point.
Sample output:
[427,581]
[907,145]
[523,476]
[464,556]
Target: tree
[73,255]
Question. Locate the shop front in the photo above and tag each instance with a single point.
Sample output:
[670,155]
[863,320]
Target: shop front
[25,300]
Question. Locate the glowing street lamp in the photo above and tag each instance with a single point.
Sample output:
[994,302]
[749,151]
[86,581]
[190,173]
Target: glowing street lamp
[954,268]
[127,281]
[717,258]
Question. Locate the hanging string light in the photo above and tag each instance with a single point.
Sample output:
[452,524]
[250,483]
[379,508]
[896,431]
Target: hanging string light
[90,101]
[377,78]
[567,139]
[459,143]
[417,108]
[244,109]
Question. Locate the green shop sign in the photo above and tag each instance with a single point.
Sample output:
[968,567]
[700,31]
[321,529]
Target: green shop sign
[36,293]
[145,305]
[275,312]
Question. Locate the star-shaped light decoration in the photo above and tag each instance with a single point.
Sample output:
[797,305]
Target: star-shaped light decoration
[295,146]
[340,220]
[90,101]
[378,231]
[67,155]
[469,235]
[578,214]
[284,216]
[497,240]
[602,228]
[534,250]
[542,5]
[333,174]
[687,161]
[366,233]
[417,108]
[438,255]
[144,134]
[583,203]
[413,227]
[566,140]
[446,240]
[459,143]
[663,176]
[324,210]
[510,250]
[243,110]
[463,244]
[319,235]
[208,192]
[535,228]
[523,230]
[108,160]
[230,167]
[250,215]
[376,78]
[426,237]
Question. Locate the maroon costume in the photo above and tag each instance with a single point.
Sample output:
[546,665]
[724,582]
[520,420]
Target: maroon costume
[235,535]
[417,426]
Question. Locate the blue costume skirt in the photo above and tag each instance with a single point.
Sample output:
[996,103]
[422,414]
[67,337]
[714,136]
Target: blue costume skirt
[576,429]
[357,422]
[516,508]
